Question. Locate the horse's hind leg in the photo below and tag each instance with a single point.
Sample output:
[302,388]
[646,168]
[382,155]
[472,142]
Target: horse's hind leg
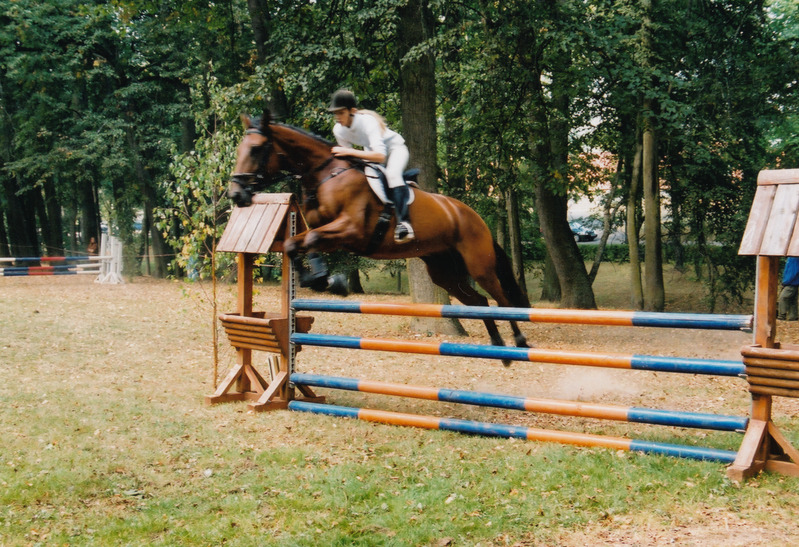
[448,272]
[498,281]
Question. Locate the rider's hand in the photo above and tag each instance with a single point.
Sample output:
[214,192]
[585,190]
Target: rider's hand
[340,151]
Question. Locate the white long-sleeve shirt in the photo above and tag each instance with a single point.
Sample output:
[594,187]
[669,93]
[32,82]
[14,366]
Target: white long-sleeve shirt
[365,131]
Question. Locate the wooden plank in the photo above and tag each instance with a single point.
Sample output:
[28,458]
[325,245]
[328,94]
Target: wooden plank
[275,393]
[758,219]
[774,391]
[780,354]
[746,462]
[793,244]
[251,333]
[244,244]
[260,241]
[785,468]
[284,198]
[274,229]
[781,221]
[230,237]
[771,363]
[773,382]
[252,343]
[772,372]
[783,442]
[256,347]
[257,383]
[778,176]
[765,328]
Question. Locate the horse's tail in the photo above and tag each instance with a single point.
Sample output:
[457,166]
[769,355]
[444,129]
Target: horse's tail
[505,275]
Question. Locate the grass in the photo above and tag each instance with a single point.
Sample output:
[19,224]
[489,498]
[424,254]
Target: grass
[106,442]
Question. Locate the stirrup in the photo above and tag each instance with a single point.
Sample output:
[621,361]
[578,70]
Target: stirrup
[403,233]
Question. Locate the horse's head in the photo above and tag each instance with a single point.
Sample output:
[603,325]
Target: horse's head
[258,163]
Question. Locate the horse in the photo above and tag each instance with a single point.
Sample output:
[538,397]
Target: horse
[343,213]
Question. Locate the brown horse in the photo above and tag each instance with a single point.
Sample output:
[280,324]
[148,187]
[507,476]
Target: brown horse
[343,212]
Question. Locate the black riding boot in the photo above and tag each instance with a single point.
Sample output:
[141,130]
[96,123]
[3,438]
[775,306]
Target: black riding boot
[400,197]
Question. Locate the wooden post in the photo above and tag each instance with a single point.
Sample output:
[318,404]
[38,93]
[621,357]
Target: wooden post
[764,446]
[766,301]
[243,382]
[280,391]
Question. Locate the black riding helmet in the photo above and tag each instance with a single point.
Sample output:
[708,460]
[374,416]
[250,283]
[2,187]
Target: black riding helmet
[342,99]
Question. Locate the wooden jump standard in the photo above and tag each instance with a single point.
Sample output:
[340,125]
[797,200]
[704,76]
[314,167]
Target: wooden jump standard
[770,368]
[251,231]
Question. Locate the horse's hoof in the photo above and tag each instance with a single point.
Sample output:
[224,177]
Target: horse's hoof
[337,284]
[317,282]
[506,362]
[521,341]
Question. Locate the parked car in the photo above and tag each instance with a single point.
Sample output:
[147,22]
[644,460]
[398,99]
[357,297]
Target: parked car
[581,233]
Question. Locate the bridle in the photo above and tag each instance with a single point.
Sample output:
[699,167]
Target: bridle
[257,180]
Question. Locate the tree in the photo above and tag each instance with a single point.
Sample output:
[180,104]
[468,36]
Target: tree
[418,106]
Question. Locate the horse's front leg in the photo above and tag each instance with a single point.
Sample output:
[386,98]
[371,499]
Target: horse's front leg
[329,237]
[316,277]
[341,232]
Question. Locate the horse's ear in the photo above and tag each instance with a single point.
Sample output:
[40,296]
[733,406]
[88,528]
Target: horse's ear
[266,119]
[246,121]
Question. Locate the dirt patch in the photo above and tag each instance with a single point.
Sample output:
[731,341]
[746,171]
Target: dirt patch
[53,340]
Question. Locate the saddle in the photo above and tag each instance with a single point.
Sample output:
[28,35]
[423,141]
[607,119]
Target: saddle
[378,182]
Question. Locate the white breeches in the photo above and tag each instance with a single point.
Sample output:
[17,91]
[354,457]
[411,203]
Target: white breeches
[398,157]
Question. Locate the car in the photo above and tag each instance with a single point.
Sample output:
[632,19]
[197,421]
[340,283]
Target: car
[581,233]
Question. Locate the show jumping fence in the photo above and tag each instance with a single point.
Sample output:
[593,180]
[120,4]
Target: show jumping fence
[106,267]
[770,368]
[567,408]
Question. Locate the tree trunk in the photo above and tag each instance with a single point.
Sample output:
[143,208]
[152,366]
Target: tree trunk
[567,261]
[261,23]
[654,292]
[354,282]
[51,228]
[418,107]
[609,213]
[157,242]
[633,204]
[515,239]
[550,149]
[502,222]
[89,224]
[4,250]
[677,197]
[550,286]
[21,221]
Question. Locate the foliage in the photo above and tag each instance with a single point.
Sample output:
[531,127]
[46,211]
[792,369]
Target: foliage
[98,95]
[197,211]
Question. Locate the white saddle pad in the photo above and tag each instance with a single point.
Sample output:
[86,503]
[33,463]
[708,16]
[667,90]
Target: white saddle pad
[377,186]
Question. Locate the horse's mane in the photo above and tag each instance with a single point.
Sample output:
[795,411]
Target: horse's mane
[313,136]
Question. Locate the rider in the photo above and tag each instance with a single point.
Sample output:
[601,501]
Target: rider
[380,145]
